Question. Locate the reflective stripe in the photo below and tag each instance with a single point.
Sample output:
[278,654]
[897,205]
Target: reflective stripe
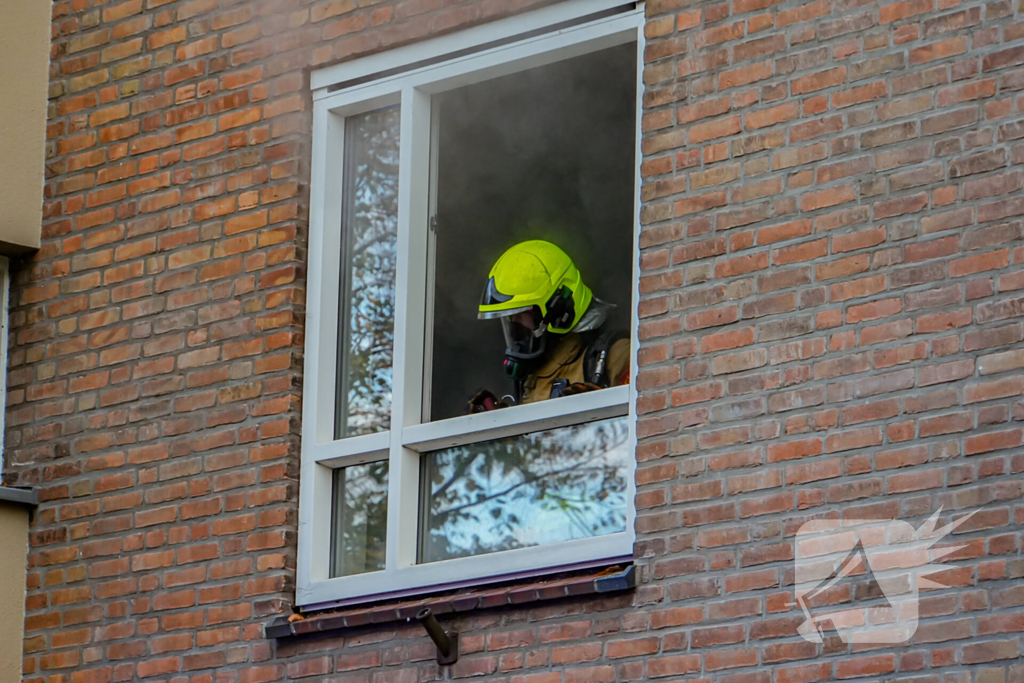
[491,315]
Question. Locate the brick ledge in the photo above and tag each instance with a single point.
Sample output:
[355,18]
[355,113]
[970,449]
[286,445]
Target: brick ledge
[608,580]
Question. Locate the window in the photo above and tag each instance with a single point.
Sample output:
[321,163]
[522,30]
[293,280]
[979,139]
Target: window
[429,161]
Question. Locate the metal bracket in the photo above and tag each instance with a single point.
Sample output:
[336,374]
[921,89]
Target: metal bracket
[447,642]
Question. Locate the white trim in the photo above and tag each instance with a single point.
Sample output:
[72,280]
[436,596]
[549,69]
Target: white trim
[311,555]
[634,342]
[437,575]
[324,274]
[495,62]
[532,417]
[469,39]
[354,450]
[431,275]
[407,376]
[410,434]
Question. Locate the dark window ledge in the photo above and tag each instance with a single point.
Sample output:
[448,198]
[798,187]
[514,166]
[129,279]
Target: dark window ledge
[594,582]
[22,496]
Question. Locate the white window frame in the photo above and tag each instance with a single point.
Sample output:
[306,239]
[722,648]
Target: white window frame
[409,436]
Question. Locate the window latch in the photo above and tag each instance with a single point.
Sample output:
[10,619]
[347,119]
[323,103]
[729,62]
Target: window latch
[433,224]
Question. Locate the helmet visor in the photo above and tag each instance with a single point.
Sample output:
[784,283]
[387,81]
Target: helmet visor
[524,333]
[491,315]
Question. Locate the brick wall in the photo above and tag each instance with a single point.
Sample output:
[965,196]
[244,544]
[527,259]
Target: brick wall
[832,325]
[833,320]
[155,357]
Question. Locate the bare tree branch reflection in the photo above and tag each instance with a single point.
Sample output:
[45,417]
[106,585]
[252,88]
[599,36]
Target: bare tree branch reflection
[370,232]
[530,490]
[360,522]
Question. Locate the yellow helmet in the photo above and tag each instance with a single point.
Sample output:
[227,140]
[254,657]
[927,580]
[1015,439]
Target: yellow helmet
[536,273]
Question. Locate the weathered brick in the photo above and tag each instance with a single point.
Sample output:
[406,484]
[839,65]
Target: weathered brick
[830,324]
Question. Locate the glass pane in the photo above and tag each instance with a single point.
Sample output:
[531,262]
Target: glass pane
[523,491]
[360,518]
[369,252]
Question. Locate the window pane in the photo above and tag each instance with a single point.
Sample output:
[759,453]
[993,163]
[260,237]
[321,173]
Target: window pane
[523,491]
[550,154]
[360,518]
[369,236]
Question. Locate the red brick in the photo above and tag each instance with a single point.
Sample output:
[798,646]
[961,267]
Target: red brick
[792,218]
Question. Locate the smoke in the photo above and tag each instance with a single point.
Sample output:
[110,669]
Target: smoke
[546,153]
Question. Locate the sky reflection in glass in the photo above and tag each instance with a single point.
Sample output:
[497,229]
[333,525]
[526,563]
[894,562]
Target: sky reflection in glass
[360,518]
[535,489]
[369,232]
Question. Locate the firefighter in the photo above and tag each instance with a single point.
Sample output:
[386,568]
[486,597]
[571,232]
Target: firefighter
[555,342]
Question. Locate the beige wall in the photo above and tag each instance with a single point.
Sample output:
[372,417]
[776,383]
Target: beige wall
[13,565]
[24,78]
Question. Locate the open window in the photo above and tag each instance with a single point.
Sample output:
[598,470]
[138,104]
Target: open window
[542,154]
[422,178]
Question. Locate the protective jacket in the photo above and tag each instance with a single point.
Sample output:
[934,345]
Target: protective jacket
[574,360]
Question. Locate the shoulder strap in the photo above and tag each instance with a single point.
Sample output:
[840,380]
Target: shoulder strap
[595,363]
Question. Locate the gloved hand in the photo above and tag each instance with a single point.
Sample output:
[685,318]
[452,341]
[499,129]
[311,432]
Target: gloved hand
[483,401]
[560,389]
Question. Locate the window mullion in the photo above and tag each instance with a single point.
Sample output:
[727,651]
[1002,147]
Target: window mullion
[497,424]
[429,287]
[413,189]
[355,450]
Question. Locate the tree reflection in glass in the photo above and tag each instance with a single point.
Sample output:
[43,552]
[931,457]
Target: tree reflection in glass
[369,238]
[535,489]
[360,518]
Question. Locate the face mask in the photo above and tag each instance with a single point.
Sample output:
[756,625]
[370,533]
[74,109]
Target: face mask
[525,342]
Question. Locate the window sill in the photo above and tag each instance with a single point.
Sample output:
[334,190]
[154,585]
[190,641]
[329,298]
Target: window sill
[594,582]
